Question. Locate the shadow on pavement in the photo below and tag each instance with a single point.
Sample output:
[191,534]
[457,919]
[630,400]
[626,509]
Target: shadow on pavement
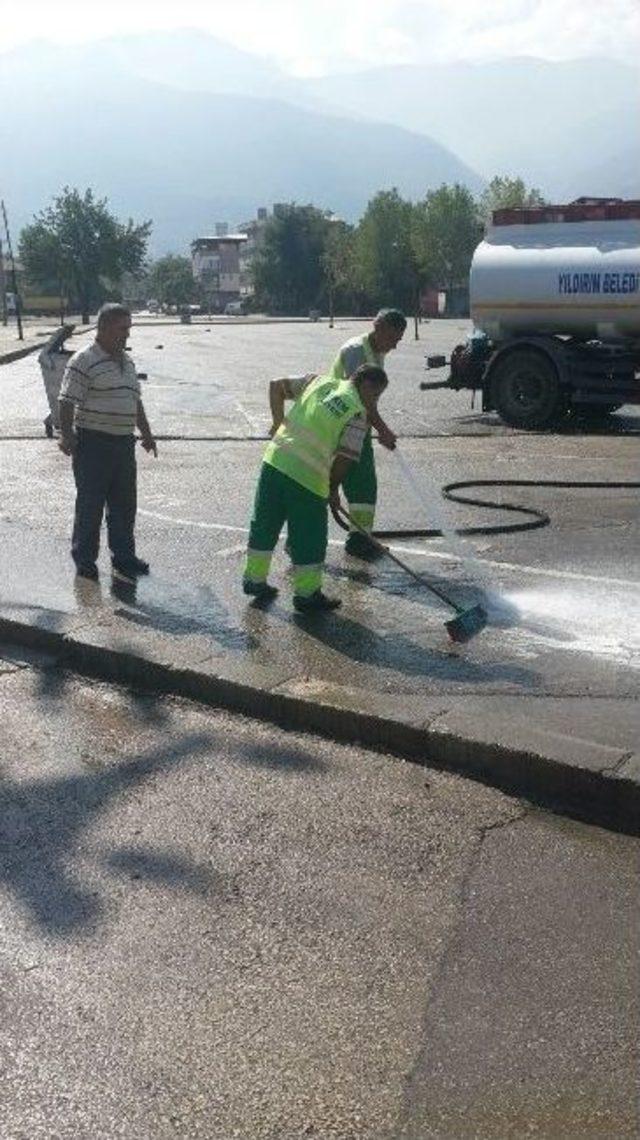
[617,423]
[402,655]
[41,821]
[502,613]
[181,615]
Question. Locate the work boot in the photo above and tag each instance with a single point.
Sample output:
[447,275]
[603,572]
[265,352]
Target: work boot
[87,570]
[359,546]
[261,590]
[314,603]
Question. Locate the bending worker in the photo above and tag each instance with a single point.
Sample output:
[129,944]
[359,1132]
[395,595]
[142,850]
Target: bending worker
[361,485]
[303,466]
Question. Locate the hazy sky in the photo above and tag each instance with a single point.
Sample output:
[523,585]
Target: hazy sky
[316,36]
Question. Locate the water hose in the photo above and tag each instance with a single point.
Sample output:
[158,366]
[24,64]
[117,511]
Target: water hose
[535,518]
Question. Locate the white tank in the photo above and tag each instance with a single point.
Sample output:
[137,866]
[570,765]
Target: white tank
[578,277]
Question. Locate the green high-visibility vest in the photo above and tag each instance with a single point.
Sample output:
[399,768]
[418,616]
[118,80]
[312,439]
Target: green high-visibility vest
[359,348]
[305,444]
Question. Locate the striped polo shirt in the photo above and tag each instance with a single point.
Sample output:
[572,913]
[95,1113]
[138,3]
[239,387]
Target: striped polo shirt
[105,390]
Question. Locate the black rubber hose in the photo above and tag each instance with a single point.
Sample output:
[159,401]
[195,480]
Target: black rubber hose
[534,521]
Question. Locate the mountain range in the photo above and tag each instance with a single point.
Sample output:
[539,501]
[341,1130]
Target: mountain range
[187,130]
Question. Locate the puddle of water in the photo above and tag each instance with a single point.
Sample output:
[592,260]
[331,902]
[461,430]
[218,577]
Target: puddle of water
[607,625]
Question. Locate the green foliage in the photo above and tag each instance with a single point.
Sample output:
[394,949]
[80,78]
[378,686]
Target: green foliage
[385,263]
[77,244]
[338,263]
[505,193]
[445,232]
[288,271]
[171,282]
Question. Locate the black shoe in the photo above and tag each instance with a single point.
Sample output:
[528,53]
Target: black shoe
[48,427]
[124,571]
[87,570]
[129,571]
[315,603]
[359,546]
[261,590]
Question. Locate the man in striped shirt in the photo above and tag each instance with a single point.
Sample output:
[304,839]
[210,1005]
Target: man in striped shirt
[100,408]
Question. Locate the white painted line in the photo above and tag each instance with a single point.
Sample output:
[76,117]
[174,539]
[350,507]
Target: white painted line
[517,566]
[443,555]
[194,522]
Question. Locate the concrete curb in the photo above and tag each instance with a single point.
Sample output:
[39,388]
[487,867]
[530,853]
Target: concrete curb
[26,350]
[609,797]
[18,353]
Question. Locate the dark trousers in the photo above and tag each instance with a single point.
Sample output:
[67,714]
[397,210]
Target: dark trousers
[104,467]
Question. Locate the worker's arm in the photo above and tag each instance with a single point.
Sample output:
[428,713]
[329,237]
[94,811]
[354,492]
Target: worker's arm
[67,441]
[146,435]
[386,436]
[278,393]
[339,469]
[351,358]
[288,388]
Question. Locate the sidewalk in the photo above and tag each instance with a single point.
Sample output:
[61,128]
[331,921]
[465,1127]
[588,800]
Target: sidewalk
[576,753]
[36,330]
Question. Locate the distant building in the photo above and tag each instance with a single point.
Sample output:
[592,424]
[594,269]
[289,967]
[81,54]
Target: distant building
[216,266]
[254,231]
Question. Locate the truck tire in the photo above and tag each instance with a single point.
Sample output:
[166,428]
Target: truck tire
[526,391]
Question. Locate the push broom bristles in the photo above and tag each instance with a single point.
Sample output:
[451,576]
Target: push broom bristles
[467,624]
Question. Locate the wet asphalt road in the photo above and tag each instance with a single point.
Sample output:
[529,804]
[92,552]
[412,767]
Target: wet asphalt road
[214,929]
[576,626]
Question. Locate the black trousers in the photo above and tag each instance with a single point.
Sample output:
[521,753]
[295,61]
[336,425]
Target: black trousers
[104,468]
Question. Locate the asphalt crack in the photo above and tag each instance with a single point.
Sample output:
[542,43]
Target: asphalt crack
[450,948]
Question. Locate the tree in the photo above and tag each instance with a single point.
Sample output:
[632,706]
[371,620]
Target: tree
[383,250]
[505,193]
[171,280]
[337,261]
[79,245]
[445,234]
[288,270]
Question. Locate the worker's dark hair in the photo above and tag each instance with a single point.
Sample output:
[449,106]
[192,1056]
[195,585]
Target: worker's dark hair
[373,374]
[110,311]
[392,317]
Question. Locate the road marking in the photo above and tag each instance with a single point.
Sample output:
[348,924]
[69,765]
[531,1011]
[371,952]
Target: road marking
[442,555]
[194,522]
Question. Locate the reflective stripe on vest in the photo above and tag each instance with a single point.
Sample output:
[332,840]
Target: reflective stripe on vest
[305,444]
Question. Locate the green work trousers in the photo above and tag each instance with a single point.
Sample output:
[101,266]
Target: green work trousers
[361,487]
[280,499]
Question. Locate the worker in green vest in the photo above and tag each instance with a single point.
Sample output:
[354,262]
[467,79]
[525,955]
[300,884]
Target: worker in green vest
[360,485]
[305,463]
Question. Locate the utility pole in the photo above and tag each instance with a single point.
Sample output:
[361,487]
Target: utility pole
[3,286]
[14,279]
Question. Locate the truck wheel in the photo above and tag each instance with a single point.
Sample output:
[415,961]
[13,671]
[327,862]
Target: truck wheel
[525,390]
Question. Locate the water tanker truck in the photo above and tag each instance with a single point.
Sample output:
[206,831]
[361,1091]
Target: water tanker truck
[555,302]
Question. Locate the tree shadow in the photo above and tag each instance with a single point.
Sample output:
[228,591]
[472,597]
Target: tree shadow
[168,869]
[289,759]
[41,822]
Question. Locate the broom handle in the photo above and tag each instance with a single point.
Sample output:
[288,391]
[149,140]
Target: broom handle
[398,561]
